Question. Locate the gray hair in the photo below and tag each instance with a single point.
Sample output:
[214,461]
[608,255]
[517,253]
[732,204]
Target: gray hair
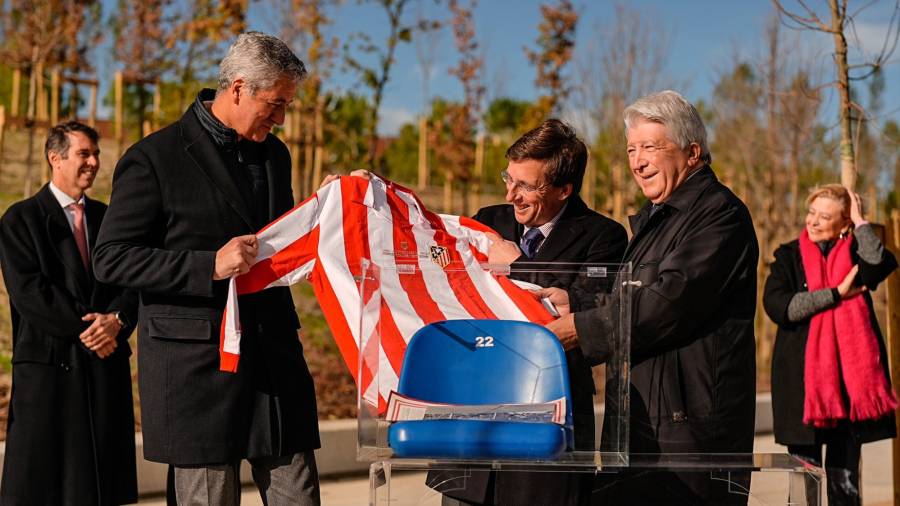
[681,119]
[260,60]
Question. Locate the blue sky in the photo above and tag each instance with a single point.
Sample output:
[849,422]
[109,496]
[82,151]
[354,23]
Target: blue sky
[703,37]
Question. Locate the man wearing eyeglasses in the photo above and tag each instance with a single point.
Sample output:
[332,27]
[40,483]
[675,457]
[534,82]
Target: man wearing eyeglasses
[546,221]
[543,179]
[185,204]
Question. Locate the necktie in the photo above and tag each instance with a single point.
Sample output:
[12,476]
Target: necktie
[80,238]
[531,241]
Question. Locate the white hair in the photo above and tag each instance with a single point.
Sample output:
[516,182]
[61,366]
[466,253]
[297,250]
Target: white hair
[260,60]
[670,109]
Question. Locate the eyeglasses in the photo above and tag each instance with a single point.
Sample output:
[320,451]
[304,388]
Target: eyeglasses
[519,186]
[271,105]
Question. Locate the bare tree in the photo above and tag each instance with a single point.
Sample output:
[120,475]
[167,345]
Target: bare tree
[426,43]
[205,26]
[303,24]
[375,77]
[631,52]
[142,30]
[32,43]
[456,151]
[838,26]
[767,143]
[555,45]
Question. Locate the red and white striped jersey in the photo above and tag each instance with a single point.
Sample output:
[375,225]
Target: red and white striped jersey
[429,269]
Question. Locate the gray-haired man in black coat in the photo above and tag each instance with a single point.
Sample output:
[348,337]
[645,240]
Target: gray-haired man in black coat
[693,366]
[185,204]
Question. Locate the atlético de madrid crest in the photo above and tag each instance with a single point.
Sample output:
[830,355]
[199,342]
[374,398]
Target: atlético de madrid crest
[440,256]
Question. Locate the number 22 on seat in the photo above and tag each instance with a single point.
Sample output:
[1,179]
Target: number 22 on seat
[484,341]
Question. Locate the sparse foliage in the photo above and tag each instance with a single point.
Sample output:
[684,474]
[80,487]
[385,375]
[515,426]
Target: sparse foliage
[555,45]
[376,76]
[838,26]
[453,135]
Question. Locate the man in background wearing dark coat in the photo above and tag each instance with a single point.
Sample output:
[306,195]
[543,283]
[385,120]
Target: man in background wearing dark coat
[70,438]
[546,221]
[693,364]
[185,204]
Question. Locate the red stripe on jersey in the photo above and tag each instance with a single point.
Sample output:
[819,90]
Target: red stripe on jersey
[413,282]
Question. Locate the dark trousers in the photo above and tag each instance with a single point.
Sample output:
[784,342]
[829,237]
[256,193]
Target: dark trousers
[841,465]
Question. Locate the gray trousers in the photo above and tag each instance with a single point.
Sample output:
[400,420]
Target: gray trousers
[288,480]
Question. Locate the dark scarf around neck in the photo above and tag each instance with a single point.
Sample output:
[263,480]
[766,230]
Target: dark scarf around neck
[224,137]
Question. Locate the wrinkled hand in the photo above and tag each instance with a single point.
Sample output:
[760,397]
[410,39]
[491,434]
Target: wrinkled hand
[557,296]
[856,209]
[100,336]
[564,328]
[328,179]
[501,251]
[846,288]
[236,257]
[363,173]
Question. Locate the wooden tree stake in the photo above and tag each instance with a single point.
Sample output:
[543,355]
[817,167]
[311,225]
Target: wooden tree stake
[54,97]
[16,90]
[117,121]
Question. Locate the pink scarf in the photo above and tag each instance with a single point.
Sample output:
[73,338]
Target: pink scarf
[841,344]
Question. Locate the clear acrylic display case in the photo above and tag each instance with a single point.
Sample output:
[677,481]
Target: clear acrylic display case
[775,479]
[586,284]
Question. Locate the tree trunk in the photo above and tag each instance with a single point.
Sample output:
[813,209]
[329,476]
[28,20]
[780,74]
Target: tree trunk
[120,116]
[618,190]
[16,88]
[2,131]
[319,139]
[478,176]
[848,157]
[54,97]
[308,150]
[448,192]
[373,132]
[291,135]
[41,94]
[92,107]
[29,124]
[142,106]
[423,153]
[590,176]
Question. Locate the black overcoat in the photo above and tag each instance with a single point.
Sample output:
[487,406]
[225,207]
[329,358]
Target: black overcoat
[786,279]
[70,438]
[693,366]
[581,235]
[173,205]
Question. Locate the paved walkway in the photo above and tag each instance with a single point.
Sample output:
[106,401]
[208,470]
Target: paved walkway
[766,488]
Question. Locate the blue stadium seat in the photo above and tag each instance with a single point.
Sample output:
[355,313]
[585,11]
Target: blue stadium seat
[483,362]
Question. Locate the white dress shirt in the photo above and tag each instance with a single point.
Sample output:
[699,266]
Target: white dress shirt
[546,228]
[65,201]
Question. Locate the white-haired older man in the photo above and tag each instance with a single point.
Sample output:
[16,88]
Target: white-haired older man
[185,204]
[694,252]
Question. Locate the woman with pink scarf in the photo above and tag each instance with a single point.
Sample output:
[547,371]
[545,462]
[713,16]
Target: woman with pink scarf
[830,382]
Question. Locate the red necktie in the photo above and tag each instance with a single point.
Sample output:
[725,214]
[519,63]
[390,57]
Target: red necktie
[80,238]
